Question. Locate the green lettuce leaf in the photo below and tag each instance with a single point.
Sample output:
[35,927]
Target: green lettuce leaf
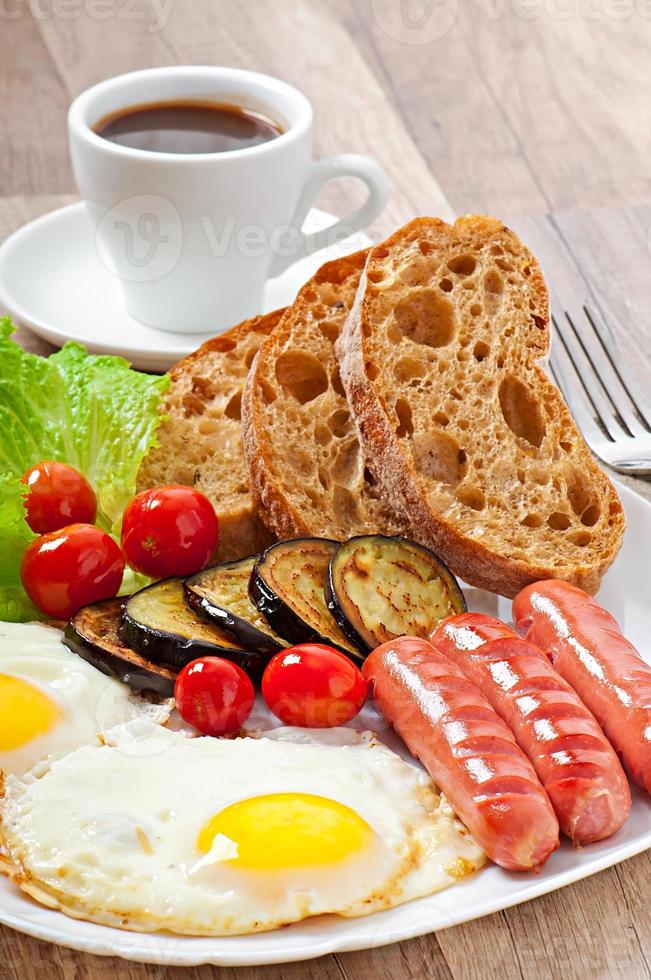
[91,411]
[15,535]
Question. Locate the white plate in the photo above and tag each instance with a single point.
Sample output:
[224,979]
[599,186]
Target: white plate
[625,594]
[53,281]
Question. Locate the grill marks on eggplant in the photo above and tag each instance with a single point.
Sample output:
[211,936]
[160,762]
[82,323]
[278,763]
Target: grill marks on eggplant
[288,587]
[158,623]
[382,587]
[93,634]
[221,595]
[353,596]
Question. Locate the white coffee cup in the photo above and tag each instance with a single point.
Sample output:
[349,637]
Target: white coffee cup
[194,237]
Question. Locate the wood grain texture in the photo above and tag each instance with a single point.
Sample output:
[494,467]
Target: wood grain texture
[539,117]
[528,106]
[33,148]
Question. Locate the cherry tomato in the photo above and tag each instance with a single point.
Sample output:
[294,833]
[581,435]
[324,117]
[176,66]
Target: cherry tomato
[58,495]
[313,686]
[214,695]
[70,568]
[169,531]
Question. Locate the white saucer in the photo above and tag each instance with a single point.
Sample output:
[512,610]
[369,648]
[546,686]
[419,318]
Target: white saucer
[53,281]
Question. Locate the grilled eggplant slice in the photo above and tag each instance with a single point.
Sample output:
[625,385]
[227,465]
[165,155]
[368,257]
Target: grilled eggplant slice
[159,624]
[287,586]
[221,594]
[379,588]
[92,633]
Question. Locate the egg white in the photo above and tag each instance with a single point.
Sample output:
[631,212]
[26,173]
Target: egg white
[123,849]
[79,700]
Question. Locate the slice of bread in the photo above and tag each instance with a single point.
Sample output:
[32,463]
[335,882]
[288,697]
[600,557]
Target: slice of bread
[306,468]
[200,444]
[466,436]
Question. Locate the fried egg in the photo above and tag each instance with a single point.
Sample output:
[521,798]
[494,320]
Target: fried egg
[203,836]
[52,701]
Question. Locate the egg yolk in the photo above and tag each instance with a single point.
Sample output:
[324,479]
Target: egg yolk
[25,712]
[287,830]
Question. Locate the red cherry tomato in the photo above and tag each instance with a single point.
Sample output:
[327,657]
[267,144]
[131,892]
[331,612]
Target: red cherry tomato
[214,695]
[58,495]
[70,568]
[169,531]
[313,686]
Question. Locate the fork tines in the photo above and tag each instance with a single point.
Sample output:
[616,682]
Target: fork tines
[615,396]
[606,401]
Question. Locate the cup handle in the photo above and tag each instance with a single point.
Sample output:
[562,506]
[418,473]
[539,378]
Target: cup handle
[321,172]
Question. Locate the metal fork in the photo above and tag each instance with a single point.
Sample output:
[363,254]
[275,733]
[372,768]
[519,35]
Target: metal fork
[607,403]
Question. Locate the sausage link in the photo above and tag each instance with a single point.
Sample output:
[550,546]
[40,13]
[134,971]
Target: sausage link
[588,649]
[573,758]
[467,749]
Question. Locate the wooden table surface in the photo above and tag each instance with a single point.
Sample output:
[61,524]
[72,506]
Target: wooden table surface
[535,110]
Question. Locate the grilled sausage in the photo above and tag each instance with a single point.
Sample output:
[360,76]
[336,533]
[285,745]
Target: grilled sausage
[467,749]
[573,758]
[588,649]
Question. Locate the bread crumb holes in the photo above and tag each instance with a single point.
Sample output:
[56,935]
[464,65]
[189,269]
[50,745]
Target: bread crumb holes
[462,265]
[471,497]
[532,520]
[521,411]
[493,282]
[339,422]
[234,408]
[301,375]
[591,515]
[405,422]
[426,317]
[408,368]
[559,521]
[436,455]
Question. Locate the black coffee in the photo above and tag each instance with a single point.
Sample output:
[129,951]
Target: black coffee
[187,127]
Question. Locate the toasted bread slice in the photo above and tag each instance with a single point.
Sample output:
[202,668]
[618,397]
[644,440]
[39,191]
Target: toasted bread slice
[306,468]
[466,436]
[200,444]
